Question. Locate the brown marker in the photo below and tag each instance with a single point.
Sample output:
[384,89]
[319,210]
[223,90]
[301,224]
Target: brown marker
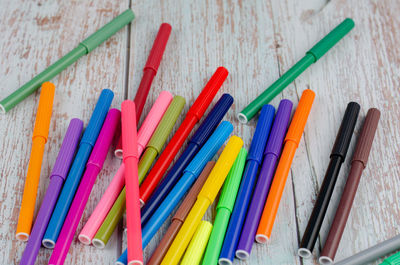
[358,164]
[180,216]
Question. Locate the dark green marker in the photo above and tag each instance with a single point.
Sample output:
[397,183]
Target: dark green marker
[311,57]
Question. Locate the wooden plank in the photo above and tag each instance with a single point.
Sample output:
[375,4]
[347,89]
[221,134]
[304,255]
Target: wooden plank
[335,84]
[35,34]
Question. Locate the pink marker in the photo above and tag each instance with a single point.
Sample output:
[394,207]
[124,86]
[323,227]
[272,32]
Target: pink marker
[107,200]
[93,167]
[130,157]
[150,123]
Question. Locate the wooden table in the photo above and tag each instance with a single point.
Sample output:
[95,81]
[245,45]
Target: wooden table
[257,41]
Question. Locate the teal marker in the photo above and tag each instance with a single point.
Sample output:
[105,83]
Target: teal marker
[82,49]
[313,55]
[224,209]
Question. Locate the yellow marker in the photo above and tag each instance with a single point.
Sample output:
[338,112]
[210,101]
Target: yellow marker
[197,244]
[204,199]
[39,139]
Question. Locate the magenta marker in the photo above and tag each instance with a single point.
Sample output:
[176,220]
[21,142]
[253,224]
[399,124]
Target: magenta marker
[93,167]
[57,177]
[271,156]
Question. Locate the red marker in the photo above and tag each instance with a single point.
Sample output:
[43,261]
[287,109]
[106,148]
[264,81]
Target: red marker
[192,117]
[149,72]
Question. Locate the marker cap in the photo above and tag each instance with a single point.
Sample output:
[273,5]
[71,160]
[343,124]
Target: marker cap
[213,118]
[330,40]
[99,113]
[346,130]
[43,116]
[220,170]
[221,133]
[157,51]
[108,30]
[167,123]
[129,109]
[67,150]
[231,186]
[299,119]
[208,93]
[100,150]
[260,139]
[275,139]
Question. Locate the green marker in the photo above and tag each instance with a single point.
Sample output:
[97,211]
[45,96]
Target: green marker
[82,49]
[392,260]
[224,209]
[153,148]
[315,53]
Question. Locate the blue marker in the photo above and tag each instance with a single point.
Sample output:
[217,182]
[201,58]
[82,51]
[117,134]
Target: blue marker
[253,163]
[74,176]
[199,138]
[190,175]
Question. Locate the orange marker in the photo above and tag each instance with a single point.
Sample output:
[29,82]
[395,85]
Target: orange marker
[39,139]
[291,143]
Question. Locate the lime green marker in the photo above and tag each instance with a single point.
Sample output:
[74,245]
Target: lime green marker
[313,55]
[224,209]
[82,49]
[392,260]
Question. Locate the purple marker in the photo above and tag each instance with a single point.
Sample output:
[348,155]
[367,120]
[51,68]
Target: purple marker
[57,177]
[271,155]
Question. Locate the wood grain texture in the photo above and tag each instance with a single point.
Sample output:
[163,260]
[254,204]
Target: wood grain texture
[256,41]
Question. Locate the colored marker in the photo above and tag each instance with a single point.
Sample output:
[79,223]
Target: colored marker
[57,177]
[192,117]
[82,49]
[392,260]
[146,130]
[179,217]
[197,244]
[358,164]
[246,187]
[224,209]
[190,175]
[131,157]
[150,124]
[93,168]
[337,157]
[112,217]
[78,166]
[312,56]
[149,72]
[205,198]
[290,145]
[209,124]
[39,139]
[271,156]
[373,253]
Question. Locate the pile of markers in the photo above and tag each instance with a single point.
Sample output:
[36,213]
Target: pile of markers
[250,183]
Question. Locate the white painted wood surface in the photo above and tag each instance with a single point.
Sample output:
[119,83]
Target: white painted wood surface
[256,41]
